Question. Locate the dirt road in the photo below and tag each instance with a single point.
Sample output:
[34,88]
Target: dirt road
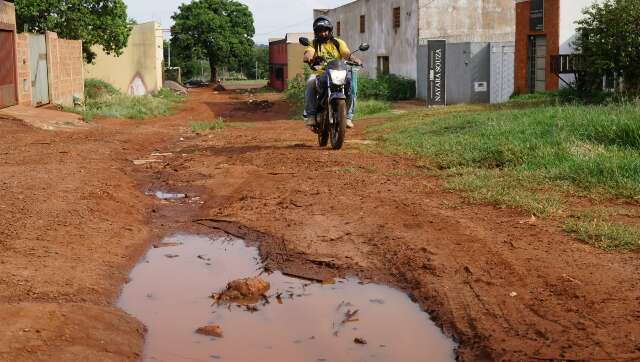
[74,220]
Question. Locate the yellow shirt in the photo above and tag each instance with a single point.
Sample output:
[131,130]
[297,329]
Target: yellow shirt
[329,52]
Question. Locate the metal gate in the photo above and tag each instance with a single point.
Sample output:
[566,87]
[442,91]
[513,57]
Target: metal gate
[502,71]
[8,96]
[437,61]
[38,67]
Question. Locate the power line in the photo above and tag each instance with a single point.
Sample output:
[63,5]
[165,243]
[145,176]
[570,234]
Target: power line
[285,27]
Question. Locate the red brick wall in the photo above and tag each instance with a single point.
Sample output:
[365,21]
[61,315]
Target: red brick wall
[24,75]
[66,73]
[552,33]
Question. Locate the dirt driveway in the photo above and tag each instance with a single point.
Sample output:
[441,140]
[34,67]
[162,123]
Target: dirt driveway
[74,220]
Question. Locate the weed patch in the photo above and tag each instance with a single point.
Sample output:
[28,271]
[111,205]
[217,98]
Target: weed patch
[102,99]
[215,125]
[596,229]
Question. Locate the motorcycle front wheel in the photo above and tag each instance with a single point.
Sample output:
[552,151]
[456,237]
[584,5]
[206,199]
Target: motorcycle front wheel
[339,126]
[323,129]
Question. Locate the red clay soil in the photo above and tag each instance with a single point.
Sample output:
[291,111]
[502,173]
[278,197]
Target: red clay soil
[74,219]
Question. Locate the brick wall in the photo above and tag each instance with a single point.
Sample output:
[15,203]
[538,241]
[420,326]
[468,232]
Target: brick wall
[24,75]
[552,33]
[66,72]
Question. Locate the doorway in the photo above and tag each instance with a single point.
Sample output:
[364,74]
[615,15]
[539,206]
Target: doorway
[537,64]
[39,70]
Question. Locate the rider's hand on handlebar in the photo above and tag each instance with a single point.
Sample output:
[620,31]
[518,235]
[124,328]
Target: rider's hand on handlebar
[319,59]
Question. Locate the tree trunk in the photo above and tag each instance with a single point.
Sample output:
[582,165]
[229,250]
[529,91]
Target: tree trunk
[214,71]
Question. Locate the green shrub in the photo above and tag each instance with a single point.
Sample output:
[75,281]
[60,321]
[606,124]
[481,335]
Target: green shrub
[95,88]
[103,99]
[387,88]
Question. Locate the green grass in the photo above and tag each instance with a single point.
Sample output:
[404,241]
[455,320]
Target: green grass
[102,99]
[592,149]
[596,229]
[532,154]
[369,107]
[215,125]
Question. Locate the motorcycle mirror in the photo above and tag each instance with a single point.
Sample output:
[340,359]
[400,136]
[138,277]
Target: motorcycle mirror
[364,47]
[304,41]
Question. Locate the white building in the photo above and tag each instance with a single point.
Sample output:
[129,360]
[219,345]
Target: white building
[398,30]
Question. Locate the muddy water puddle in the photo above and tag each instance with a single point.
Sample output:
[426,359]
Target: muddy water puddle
[170,292]
[167,196]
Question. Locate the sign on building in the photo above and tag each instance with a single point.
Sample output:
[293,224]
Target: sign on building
[436,92]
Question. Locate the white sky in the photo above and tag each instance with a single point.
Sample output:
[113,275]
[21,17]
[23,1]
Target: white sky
[272,18]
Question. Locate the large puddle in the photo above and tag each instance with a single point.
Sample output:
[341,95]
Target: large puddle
[170,292]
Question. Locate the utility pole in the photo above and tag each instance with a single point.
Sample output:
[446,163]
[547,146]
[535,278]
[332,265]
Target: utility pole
[256,70]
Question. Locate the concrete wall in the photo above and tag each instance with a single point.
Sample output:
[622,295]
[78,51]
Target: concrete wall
[400,45]
[467,20]
[139,69]
[65,65]
[295,52]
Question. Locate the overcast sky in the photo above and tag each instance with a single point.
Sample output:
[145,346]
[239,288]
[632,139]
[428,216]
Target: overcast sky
[272,18]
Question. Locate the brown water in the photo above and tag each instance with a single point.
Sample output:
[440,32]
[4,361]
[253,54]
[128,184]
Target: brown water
[169,292]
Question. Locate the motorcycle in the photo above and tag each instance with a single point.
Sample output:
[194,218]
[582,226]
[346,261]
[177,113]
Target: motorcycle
[331,114]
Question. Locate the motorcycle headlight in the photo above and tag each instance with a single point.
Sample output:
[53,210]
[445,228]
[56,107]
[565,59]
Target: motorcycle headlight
[338,77]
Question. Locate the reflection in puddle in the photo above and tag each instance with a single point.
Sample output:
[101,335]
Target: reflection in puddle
[300,321]
[166,195]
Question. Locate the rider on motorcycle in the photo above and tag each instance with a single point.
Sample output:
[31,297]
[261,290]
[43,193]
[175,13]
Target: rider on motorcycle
[325,48]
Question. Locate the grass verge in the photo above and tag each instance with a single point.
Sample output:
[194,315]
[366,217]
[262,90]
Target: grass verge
[219,124]
[531,154]
[597,229]
[102,99]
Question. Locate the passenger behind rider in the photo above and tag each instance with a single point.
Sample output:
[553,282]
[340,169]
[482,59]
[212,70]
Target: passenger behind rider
[325,46]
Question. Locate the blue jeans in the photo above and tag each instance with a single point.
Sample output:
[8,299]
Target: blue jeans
[311,96]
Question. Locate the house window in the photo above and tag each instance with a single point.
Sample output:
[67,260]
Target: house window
[383,65]
[362,24]
[338,29]
[536,15]
[396,18]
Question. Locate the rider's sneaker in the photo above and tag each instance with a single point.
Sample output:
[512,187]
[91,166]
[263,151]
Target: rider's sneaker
[309,121]
[349,123]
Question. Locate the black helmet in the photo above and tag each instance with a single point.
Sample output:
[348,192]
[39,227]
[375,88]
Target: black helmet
[322,23]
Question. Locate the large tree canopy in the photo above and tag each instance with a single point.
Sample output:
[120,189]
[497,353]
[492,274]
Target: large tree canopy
[95,22]
[220,30]
[609,43]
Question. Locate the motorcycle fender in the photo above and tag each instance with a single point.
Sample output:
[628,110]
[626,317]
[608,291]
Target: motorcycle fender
[337,95]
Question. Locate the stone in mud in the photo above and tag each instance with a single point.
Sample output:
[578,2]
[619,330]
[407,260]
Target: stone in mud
[244,291]
[213,331]
[359,340]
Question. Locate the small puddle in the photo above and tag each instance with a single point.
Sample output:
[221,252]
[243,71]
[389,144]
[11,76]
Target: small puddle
[170,293]
[166,195]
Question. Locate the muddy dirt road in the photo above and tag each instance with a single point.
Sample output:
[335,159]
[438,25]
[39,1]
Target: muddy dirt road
[74,220]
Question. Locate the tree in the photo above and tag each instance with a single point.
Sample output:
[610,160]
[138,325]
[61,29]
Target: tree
[95,22]
[219,30]
[608,41]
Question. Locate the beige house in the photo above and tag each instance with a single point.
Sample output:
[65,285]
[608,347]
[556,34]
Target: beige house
[285,59]
[138,71]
